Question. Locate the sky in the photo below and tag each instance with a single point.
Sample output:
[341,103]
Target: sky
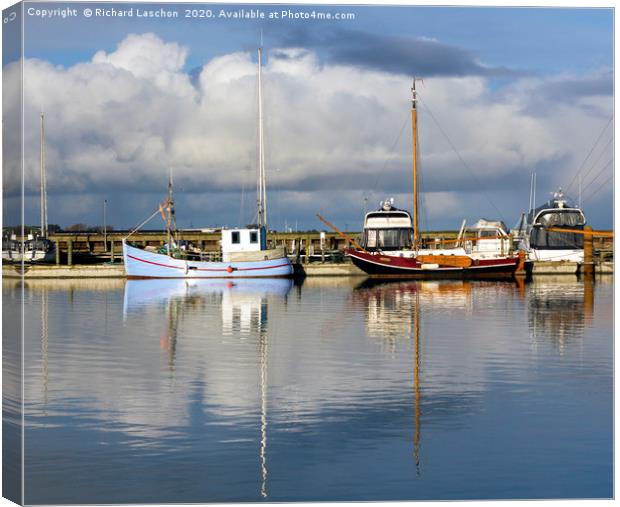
[506,92]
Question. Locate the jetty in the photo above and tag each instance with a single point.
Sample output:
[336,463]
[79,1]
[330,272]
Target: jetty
[316,253]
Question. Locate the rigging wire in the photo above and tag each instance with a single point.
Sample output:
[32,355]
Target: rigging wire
[597,160]
[599,173]
[138,227]
[391,150]
[476,180]
[590,152]
[599,188]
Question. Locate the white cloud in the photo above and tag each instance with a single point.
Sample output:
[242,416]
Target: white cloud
[124,118]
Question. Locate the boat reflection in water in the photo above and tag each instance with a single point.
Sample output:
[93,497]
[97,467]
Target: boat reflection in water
[392,314]
[244,311]
[231,391]
[398,312]
[559,309]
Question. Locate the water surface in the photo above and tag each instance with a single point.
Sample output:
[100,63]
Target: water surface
[211,391]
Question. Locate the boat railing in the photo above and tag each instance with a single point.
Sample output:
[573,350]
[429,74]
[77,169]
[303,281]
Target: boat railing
[212,256]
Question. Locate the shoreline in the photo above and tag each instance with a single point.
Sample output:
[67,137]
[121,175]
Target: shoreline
[312,269]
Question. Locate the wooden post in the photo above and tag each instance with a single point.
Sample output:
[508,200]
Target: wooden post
[57,252]
[521,266]
[588,252]
[588,298]
[112,250]
[69,252]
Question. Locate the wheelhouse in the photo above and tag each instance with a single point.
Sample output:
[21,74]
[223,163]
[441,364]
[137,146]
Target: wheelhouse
[487,236]
[556,214]
[388,228]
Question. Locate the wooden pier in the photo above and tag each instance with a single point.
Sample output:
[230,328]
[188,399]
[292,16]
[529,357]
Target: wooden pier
[97,247]
[94,254]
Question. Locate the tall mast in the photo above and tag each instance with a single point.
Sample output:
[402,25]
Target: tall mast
[43,183]
[414,129]
[171,221]
[260,188]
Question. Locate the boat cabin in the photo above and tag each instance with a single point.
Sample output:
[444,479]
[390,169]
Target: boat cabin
[388,228]
[488,236]
[556,213]
[243,240]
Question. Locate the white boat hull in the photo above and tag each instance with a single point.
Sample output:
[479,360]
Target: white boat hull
[29,256]
[143,264]
[575,255]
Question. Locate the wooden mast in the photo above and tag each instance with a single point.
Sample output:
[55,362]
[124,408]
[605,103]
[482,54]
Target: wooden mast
[170,219]
[414,131]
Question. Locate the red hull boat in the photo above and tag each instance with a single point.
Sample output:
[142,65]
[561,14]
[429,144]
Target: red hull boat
[385,265]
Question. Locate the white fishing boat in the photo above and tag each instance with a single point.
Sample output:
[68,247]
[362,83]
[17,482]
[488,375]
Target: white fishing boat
[244,251]
[391,244]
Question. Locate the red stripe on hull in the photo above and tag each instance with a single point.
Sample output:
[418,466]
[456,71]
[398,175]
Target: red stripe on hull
[205,269]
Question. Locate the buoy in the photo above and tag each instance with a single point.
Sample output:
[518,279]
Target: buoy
[229,269]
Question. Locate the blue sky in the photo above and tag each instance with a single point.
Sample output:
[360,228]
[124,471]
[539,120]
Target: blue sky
[515,90]
[542,40]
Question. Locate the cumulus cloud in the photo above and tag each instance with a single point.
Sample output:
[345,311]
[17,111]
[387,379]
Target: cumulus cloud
[335,132]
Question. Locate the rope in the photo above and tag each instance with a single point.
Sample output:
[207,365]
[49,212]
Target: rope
[590,153]
[463,161]
[599,173]
[391,150]
[599,188]
[141,225]
[597,160]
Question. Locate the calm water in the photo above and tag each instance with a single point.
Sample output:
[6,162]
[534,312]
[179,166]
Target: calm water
[175,391]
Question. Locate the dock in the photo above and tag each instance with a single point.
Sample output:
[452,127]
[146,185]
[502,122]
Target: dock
[311,269]
[315,253]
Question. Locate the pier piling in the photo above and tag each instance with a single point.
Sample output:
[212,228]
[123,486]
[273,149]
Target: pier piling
[588,252]
[69,253]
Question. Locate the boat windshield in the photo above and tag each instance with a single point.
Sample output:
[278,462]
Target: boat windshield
[388,239]
[557,218]
[543,239]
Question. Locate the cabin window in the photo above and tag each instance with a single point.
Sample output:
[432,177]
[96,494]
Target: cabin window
[236,238]
[553,240]
[567,218]
[389,239]
[253,236]
[371,238]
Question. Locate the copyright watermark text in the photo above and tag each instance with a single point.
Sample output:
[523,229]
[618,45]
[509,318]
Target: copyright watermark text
[179,11]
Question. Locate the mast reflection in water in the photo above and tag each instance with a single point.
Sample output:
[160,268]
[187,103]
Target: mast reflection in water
[247,390]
